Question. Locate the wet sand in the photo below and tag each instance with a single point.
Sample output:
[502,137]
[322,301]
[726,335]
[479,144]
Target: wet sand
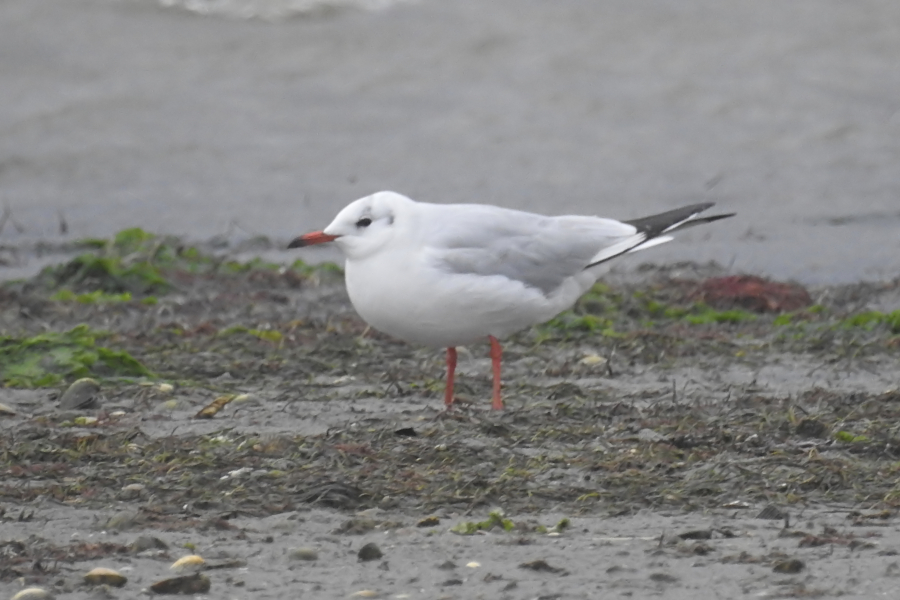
[692,458]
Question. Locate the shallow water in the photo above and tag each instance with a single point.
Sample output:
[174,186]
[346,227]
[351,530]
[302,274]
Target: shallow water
[117,113]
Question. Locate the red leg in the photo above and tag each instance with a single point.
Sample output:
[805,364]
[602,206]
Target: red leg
[496,354]
[451,371]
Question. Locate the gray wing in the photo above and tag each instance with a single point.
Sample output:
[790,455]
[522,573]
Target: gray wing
[539,251]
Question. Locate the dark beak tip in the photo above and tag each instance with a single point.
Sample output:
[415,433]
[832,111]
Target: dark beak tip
[298,242]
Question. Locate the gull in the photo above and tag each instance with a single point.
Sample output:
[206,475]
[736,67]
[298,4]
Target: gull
[447,275]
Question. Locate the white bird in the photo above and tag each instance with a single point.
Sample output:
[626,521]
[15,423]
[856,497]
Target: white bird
[446,275]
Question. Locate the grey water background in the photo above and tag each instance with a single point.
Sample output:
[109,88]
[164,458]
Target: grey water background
[265,117]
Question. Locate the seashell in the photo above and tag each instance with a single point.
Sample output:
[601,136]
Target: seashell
[101,576]
[191,561]
[34,593]
[81,394]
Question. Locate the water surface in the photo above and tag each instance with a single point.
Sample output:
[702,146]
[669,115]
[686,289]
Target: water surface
[184,117]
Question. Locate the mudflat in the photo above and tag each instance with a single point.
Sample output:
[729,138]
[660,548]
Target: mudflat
[655,443]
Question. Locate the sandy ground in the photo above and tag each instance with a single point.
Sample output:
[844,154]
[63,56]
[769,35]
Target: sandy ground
[661,444]
[640,555]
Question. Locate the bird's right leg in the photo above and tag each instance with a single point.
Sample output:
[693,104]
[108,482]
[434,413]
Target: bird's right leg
[451,371]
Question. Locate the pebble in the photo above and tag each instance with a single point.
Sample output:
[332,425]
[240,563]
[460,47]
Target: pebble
[81,394]
[191,561]
[147,542]
[304,554]
[122,520]
[34,593]
[370,552]
[198,583]
[593,359]
[101,576]
[132,491]
[789,567]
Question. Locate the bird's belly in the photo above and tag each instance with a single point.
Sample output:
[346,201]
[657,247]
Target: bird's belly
[443,311]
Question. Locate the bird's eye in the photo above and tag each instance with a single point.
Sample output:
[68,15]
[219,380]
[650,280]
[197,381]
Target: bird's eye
[364,222]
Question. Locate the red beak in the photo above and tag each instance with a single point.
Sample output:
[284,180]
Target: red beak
[311,238]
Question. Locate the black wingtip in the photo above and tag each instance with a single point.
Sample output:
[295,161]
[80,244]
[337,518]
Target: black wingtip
[712,218]
[656,225]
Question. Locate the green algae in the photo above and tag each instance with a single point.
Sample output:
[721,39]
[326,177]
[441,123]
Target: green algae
[50,358]
[95,297]
[137,263]
[268,335]
[495,520]
[871,319]
[697,313]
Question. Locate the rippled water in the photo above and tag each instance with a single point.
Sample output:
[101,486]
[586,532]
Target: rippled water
[115,113]
[273,10]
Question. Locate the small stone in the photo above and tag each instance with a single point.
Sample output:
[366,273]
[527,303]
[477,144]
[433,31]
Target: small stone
[428,522]
[592,359]
[355,526]
[696,534]
[82,393]
[771,512]
[191,561]
[812,428]
[103,592]
[789,567]
[365,594]
[648,435]
[147,542]
[34,593]
[102,576]
[541,565]
[198,583]
[122,520]
[369,552]
[303,554]
[132,491]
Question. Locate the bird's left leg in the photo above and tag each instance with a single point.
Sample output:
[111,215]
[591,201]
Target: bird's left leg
[451,371]
[496,355]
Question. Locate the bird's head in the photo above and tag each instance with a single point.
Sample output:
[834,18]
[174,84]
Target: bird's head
[362,227]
